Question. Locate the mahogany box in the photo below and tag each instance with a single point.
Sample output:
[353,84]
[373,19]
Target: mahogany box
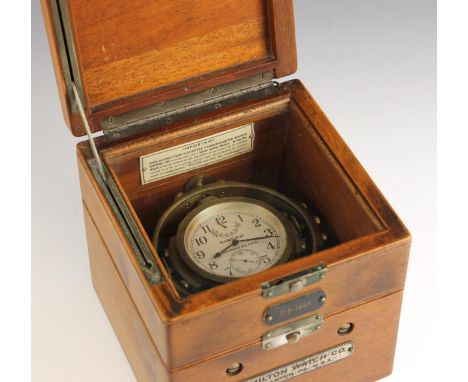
[155,74]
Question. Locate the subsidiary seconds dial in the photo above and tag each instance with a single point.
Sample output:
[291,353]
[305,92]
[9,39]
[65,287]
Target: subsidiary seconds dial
[234,237]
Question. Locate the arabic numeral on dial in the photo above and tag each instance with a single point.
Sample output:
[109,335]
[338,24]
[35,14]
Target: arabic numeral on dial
[200,255]
[271,246]
[240,218]
[206,228]
[265,259]
[201,240]
[213,265]
[268,232]
[221,220]
[256,222]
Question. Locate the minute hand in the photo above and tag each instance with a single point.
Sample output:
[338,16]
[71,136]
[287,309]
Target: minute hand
[257,238]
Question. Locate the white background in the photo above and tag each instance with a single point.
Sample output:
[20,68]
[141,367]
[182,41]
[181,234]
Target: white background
[371,65]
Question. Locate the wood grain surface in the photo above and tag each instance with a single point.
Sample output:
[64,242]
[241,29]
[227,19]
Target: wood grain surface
[135,53]
[130,47]
[374,336]
[121,310]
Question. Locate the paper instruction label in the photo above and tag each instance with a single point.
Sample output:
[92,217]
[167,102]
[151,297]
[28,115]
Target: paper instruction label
[197,154]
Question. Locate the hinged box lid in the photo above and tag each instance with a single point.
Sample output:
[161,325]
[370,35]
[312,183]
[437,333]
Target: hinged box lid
[130,54]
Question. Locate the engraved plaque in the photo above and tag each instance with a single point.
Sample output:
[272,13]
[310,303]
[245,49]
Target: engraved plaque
[295,308]
[306,365]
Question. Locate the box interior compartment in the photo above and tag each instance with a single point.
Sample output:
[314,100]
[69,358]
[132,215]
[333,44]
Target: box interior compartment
[289,156]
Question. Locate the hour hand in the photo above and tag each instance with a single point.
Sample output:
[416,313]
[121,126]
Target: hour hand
[232,244]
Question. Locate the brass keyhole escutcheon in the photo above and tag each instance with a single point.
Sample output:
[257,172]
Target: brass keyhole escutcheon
[234,369]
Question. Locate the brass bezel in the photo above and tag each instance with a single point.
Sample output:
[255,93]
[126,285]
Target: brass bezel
[200,195]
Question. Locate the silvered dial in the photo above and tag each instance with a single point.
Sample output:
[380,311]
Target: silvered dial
[235,238]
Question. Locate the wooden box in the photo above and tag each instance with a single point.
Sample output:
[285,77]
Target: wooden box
[157,74]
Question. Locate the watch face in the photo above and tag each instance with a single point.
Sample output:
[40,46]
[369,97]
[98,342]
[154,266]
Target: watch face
[234,237]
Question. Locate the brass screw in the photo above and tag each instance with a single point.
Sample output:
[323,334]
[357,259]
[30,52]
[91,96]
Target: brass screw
[155,278]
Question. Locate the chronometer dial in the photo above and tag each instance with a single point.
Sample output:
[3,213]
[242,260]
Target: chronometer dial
[233,239]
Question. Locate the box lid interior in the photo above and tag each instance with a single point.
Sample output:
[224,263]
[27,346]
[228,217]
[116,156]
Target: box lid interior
[129,54]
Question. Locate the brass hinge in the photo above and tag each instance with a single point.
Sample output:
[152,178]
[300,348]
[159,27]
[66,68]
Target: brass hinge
[168,112]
